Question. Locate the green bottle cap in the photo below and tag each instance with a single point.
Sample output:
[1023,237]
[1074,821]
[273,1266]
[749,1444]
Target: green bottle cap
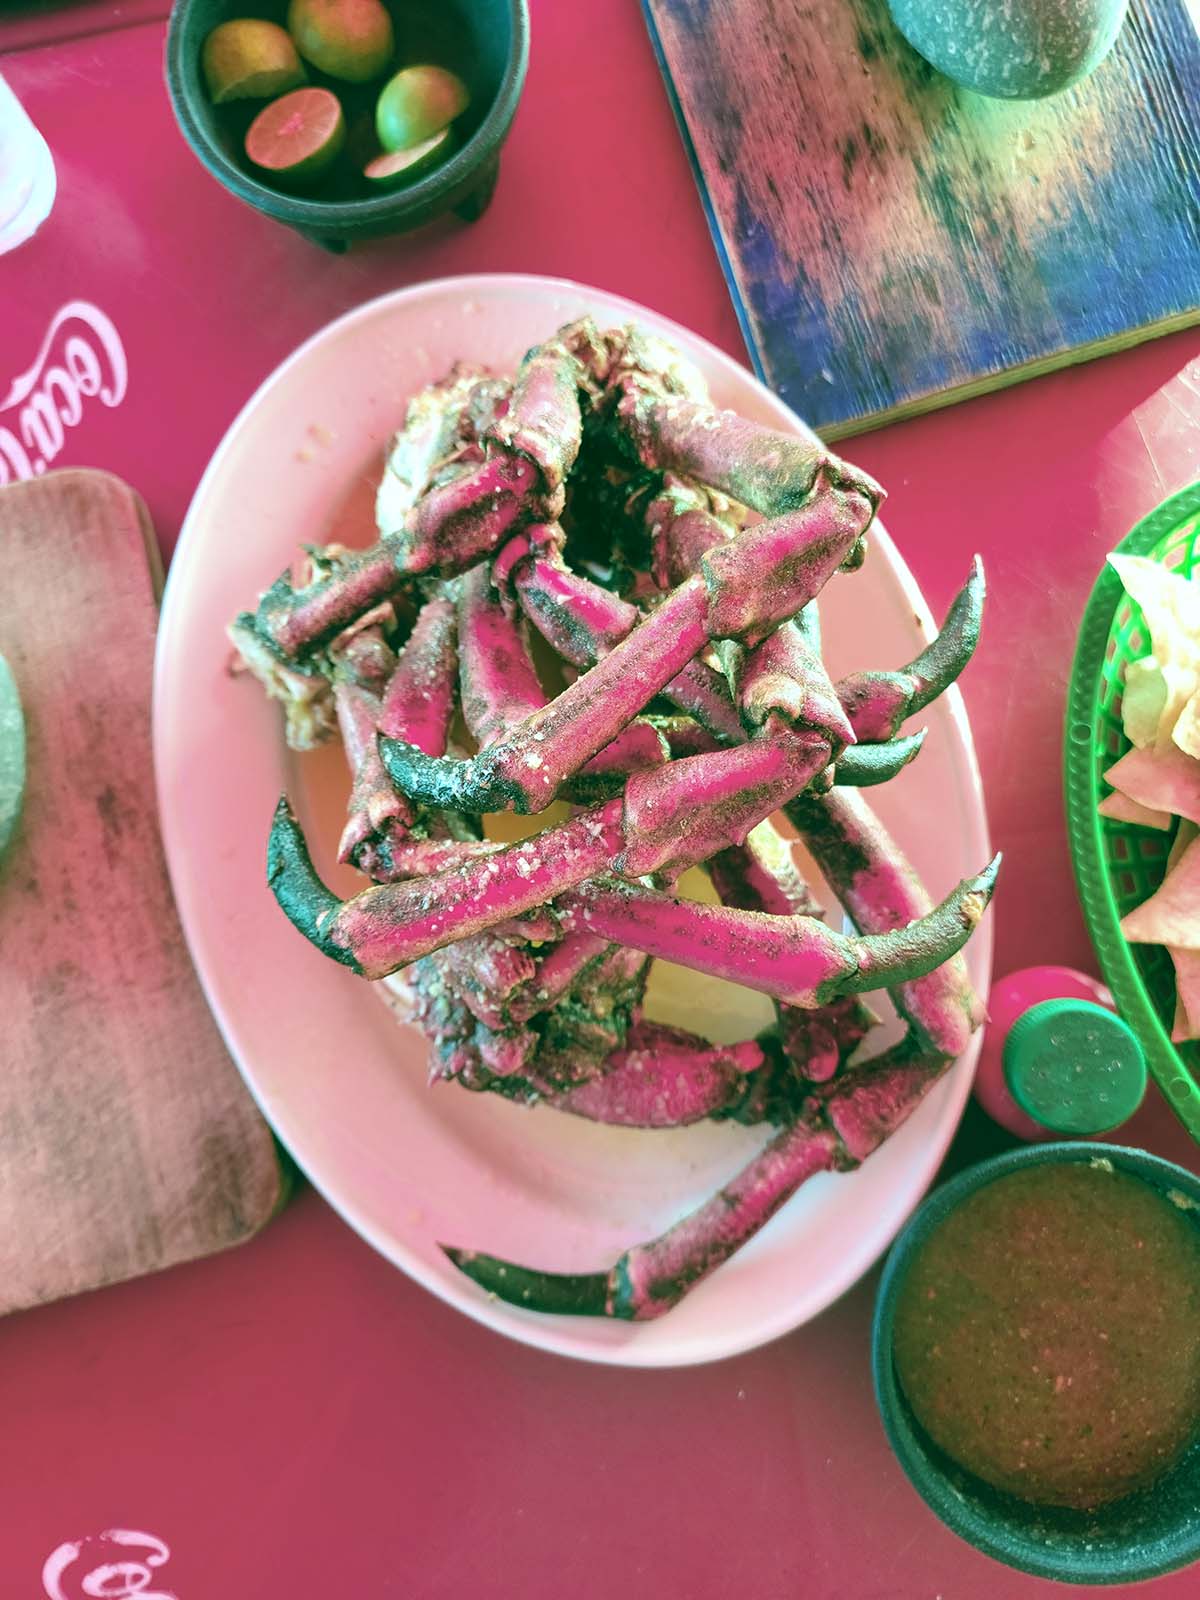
[1075,1067]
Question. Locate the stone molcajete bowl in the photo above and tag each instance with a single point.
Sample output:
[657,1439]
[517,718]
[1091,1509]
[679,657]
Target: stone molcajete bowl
[1141,1536]
[485,41]
[1012,49]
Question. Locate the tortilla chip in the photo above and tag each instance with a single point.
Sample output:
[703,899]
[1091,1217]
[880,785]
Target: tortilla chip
[1181,683]
[1184,834]
[1186,731]
[1143,701]
[1180,1024]
[1161,780]
[1169,602]
[1187,994]
[1171,915]
[1121,808]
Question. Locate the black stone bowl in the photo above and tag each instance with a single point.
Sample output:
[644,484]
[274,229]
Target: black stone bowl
[486,42]
[1142,1536]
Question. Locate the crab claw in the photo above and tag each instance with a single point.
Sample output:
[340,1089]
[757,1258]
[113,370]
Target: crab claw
[663,1077]
[748,587]
[667,818]
[864,765]
[797,959]
[303,898]
[564,1294]
[877,703]
[842,1124]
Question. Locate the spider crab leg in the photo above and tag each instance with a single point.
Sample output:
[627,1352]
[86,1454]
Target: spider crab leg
[584,622]
[840,1125]
[501,691]
[527,450]
[880,890]
[784,675]
[441,422]
[416,702]
[761,875]
[877,703]
[292,618]
[747,588]
[666,818]
[798,960]
[662,1077]
[759,467]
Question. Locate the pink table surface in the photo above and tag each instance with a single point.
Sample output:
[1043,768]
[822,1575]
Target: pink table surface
[296,1418]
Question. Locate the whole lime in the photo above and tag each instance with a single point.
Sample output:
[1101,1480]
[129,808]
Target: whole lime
[350,39]
[417,103]
[248,58]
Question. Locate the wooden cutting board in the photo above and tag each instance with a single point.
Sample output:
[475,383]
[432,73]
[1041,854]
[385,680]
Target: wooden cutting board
[893,242]
[127,1139]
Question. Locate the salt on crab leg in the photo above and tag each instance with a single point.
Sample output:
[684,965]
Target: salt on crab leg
[666,819]
[556,974]
[840,1128]
[662,1077]
[798,960]
[685,520]
[747,588]
[784,675]
[501,691]
[769,471]
[880,890]
[417,702]
[376,812]
[499,685]
[290,618]
[529,451]
[436,423]
[584,622]
[761,875]
[842,1123]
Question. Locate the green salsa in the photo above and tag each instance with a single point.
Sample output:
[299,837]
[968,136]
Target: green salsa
[1047,1334]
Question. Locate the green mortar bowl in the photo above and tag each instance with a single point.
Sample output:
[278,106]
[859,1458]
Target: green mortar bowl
[1142,1536]
[485,41]
[1117,864]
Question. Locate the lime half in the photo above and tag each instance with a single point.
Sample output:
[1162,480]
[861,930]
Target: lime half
[417,103]
[12,755]
[297,137]
[250,59]
[401,166]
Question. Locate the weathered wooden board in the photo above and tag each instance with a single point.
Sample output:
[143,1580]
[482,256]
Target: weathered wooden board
[893,242]
[127,1140]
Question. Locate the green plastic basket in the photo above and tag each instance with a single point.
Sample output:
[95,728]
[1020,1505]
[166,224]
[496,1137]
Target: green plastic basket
[1117,864]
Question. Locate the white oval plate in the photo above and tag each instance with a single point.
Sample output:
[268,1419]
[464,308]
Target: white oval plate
[342,1084]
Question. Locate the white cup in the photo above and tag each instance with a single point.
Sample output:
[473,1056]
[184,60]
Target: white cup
[27,177]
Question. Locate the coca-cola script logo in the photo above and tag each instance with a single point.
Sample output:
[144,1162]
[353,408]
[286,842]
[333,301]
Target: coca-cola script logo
[81,359]
[117,1565]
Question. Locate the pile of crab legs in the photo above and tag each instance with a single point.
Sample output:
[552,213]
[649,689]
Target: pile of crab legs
[600,505]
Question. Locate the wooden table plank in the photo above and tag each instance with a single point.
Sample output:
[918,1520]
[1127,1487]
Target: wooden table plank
[127,1140]
[893,242]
